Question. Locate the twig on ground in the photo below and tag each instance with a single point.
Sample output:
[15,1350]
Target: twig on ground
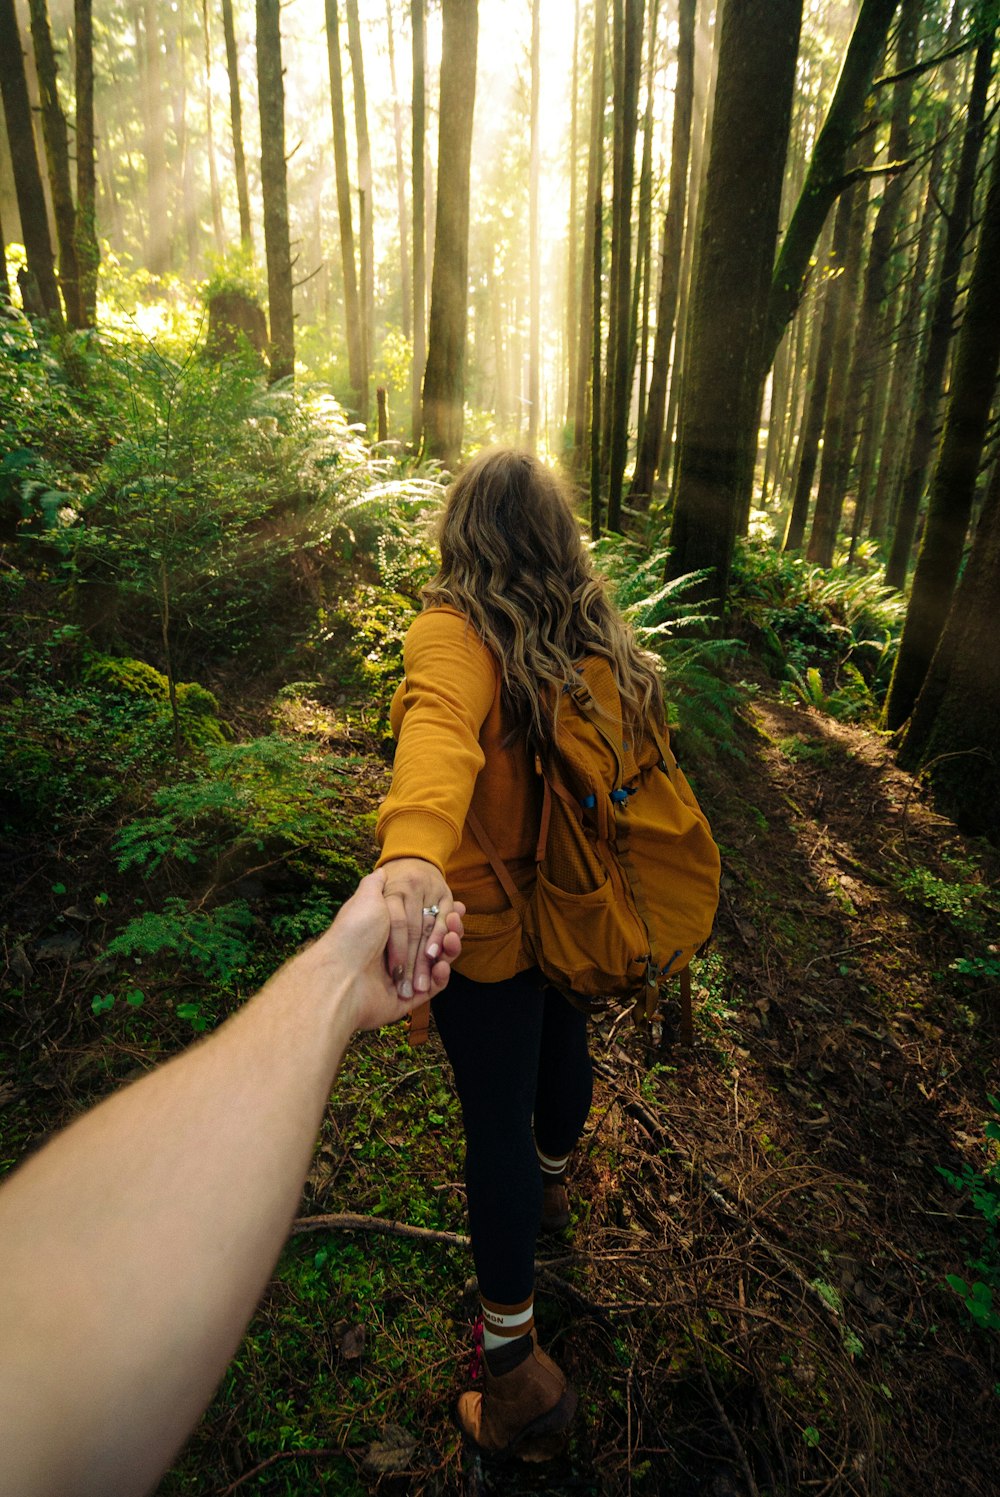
[346,1222]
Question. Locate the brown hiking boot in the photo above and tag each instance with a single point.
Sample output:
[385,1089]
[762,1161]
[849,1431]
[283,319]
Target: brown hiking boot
[524,1412]
[555,1203]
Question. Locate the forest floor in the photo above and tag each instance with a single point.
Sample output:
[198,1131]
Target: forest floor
[752,1296]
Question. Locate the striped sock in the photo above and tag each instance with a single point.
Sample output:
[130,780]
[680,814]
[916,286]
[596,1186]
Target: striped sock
[551,1166]
[505,1323]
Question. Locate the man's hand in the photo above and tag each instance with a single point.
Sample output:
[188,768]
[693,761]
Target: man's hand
[356,944]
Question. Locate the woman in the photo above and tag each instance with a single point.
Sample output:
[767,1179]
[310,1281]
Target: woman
[513,608]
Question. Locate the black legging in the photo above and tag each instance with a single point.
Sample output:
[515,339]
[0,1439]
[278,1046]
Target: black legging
[518,1050]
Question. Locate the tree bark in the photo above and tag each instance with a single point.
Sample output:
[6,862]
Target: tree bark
[366,230]
[816,406]
[176,52]
[572,230]
[826,517]
[218,228]
[57,150]
[758,48]
[826,177]
[870,338]
[444,381]
[942,324]
[956,719]
[88,254]
[534,252]
[397,124]
[973,387]
[352,301]
[27,175]
[274,187]
[419,237]
[585,347]
[236,118]
[640,294]
[648,456]
[621,260]
[159,246]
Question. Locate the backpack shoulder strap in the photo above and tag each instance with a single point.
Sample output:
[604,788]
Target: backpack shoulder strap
[494,859]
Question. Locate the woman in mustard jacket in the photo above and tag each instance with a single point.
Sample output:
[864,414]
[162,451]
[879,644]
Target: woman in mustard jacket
[513,608]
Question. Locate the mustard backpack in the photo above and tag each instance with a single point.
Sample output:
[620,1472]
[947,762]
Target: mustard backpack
[628,873]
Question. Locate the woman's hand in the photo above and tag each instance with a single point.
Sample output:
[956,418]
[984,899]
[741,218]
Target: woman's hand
[419,902]
[355,945]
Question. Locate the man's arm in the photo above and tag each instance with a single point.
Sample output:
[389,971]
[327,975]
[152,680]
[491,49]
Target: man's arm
[135,1245]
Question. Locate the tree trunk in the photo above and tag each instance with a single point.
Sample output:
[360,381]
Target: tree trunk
[640,294]
[27,176]
[706,68]
[758,48]
[595,350]
[826,177]
[213,174]
[572,232]
[88,254]
[826,518]
[444,381]
[397,123]
[352,302]
[648,457]
[813,427]
[177,55]
[585,347]
[956,719]
[870,336]
[973,387]
[57,150]
[942,320]
[419,238]
[534,252]
[366,231]
[274,188]
[236,118]
[159,248]
[621,263]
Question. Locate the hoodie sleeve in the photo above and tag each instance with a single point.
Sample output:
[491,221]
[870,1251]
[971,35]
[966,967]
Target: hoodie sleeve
[451,683]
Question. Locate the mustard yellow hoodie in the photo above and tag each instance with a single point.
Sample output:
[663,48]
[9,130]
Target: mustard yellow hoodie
[450,730]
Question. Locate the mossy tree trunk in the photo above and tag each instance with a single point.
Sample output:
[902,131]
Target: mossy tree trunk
[627,73]
[419,236]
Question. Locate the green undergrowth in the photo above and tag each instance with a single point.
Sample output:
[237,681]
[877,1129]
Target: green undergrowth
[829,635]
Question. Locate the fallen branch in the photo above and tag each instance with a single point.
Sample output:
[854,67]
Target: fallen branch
[346,1222]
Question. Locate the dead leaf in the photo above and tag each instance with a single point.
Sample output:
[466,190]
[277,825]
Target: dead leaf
[353,1343]
[393,1452]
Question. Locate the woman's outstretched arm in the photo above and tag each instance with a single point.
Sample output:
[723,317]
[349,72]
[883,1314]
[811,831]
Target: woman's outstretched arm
[135,1245]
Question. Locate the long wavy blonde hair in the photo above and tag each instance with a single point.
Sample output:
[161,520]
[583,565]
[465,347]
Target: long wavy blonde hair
[513,561]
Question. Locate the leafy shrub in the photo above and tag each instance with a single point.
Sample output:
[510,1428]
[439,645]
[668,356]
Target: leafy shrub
[848,701]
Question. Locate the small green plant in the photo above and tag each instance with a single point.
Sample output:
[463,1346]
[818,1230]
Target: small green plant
[215,943]
[848,701]
[981,1297]
[960,902]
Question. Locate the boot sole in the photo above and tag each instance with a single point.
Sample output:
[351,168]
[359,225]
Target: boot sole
[541,1440]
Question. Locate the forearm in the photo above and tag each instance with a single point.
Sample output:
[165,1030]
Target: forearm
[134,1247]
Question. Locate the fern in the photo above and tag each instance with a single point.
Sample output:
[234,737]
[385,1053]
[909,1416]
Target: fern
[214,943]
[701,699]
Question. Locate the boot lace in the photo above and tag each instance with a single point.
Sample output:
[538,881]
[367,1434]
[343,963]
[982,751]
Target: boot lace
[476,1359]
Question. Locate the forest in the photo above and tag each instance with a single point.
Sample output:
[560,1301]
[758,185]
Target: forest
[270,274]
